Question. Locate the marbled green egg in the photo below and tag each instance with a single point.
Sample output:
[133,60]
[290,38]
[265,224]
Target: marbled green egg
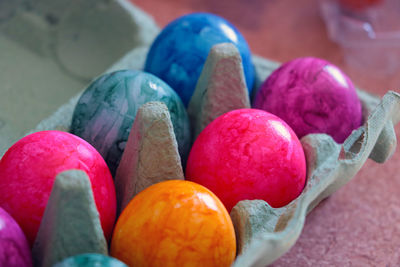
[90,260]
[105,112]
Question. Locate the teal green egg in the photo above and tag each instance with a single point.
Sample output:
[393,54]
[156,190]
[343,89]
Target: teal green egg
[90,260]
[106,111]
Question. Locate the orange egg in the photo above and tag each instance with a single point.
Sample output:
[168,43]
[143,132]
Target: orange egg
[174,223]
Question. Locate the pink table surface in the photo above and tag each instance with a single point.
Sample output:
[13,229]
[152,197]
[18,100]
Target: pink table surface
[360,224]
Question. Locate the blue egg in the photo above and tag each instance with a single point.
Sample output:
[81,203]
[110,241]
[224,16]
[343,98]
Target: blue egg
[179,52]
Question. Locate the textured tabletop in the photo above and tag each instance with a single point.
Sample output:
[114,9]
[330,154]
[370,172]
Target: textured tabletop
[358,225]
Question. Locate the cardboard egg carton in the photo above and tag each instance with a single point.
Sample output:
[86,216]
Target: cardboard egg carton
[263,233]
[51,49]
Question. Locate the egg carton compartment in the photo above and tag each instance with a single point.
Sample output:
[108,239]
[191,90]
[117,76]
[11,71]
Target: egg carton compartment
[51,49]
[263,233]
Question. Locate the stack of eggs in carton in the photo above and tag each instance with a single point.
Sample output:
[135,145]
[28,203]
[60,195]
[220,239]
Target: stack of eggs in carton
[167,156]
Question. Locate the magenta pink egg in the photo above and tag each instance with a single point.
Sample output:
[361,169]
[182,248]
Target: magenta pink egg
[312,96]
[14,247]
[28,170]
[248,154]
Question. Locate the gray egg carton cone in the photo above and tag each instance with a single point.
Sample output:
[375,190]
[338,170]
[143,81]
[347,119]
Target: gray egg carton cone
[263,233]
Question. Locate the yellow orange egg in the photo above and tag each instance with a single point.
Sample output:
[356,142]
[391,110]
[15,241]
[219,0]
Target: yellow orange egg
[174,223]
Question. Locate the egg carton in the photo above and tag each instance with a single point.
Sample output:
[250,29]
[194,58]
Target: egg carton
[263,233]
[52,49]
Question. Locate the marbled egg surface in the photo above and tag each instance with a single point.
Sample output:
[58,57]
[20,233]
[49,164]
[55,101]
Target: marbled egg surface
[14,247]
[175,223]
[179,52]
[90,260]
[29,168]
[248,154]
[106,111]
[312,96]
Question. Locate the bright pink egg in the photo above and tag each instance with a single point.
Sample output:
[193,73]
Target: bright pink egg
[248,154]
[28,170]
[14,247]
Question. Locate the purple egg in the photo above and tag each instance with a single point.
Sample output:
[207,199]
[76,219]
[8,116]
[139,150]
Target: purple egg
[312,96]
[14,247]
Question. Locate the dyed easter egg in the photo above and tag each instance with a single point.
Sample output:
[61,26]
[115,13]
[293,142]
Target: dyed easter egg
[105,112]
[90,260]
[179,52]
[28,170]
[174,223]
[14,247]
[248,154]
[312,96]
